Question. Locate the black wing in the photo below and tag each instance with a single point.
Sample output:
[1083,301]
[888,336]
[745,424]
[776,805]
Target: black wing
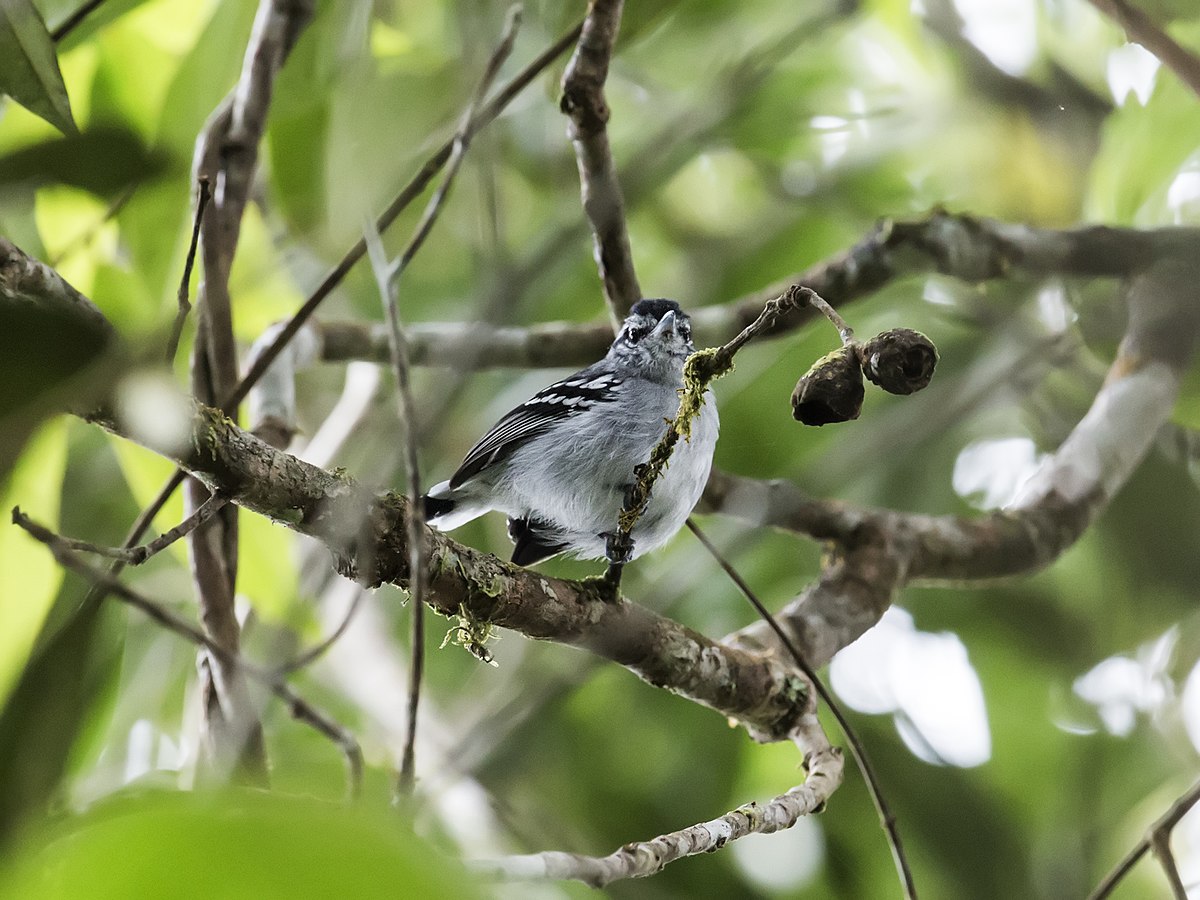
[550,405]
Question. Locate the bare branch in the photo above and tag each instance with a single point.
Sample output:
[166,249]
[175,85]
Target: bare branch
[641,859]
[388,277]
[1157,838]
[584,103]
[368,537]
[1141,29]
[106,584]
[388,281]
[964,247]
[227,155]
[135,556]
[408,193]
[887,819]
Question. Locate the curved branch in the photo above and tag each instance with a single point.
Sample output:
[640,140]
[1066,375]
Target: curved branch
[640,859]
[961,246]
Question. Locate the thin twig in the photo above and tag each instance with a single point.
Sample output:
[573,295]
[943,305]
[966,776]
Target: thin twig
[184,305]
[407,194]
[459,144]
[886,818]
[1160,843]
[1141,29]
[135,556]
[311,655]
[74,20]
[584,103]
[415,519]
[388,279]
[96,593]
[300,708]
[817,302]
[1155,838]
[85,237]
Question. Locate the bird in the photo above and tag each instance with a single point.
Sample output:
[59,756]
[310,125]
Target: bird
[561,464]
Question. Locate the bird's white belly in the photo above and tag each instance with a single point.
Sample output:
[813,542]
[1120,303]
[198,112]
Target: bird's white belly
[577,478]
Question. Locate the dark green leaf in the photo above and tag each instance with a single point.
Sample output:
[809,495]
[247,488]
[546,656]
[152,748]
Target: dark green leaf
[103,161]
[28,66]
[43,716]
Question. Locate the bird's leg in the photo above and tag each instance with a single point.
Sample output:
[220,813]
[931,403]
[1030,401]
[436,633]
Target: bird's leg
[618,548]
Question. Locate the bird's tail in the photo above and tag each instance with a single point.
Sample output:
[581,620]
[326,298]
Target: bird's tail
[445,512]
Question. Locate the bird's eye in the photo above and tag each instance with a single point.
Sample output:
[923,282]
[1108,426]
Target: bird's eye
[635,334]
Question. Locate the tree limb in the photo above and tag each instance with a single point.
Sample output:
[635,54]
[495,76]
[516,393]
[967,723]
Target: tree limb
[583,102]
[227,157]
[640,859]
[961,246]
[367,535]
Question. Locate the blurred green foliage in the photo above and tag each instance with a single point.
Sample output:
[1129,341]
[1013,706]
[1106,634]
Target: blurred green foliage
[752,139]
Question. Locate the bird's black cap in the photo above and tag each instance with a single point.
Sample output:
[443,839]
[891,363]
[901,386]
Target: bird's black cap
[656,309]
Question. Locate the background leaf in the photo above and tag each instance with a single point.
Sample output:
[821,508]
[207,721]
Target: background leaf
[101,160]
[29,67]
[239,846]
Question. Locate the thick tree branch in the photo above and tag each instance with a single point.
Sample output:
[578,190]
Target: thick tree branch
[366,533]
[583,102]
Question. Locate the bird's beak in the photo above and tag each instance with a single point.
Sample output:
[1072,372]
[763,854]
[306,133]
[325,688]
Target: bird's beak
[665,324]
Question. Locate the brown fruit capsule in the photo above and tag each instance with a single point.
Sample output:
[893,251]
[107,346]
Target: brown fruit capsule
[900,361]
[830,391]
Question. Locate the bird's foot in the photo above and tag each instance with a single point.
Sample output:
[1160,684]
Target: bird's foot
[618,548]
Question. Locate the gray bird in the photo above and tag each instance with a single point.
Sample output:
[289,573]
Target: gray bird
[559,465]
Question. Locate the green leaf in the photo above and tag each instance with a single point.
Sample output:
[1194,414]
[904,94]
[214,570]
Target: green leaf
[28,66]
[26,570]
[102,160]
[233,845]
[43,717]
